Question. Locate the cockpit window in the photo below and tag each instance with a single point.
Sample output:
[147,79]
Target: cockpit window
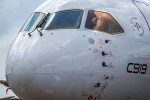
[69,19]
[102,21]
[33,21]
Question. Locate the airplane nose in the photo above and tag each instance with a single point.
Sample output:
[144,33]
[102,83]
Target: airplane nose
[37,67]
[23,72]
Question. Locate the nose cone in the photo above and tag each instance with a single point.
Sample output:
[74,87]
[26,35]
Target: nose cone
[38,69]
[25,53]
[23,72]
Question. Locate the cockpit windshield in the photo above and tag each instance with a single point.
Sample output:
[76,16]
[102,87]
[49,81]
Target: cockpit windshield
[68,19]
[33,21]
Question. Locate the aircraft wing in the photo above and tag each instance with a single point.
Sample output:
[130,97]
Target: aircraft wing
[7,98]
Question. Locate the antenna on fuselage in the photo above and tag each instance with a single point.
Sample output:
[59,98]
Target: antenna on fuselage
[40,25]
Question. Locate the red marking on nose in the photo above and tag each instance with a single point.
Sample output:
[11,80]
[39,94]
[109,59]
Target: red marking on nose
[100,41]
[90,97]
[112,78]
[2,82]
[7,90]
[110,54]
[103,88]
[110,42]
[15,99]
[111,65]
[96,50]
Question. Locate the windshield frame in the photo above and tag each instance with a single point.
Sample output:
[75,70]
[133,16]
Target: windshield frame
[43,28]
[28,19]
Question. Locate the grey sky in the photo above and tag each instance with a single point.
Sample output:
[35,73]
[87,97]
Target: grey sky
[13,14]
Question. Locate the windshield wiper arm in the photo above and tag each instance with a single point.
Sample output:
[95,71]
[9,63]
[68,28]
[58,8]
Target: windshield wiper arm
[43,21]
[40,25]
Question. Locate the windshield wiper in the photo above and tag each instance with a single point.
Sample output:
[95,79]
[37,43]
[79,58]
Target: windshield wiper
[43,21]
[40,25]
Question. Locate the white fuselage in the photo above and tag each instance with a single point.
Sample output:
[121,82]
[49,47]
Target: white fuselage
[68,64]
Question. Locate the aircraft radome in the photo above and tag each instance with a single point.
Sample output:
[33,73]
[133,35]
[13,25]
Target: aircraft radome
[83,50]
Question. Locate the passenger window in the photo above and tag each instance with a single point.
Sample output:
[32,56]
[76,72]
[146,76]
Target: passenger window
[102,21]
